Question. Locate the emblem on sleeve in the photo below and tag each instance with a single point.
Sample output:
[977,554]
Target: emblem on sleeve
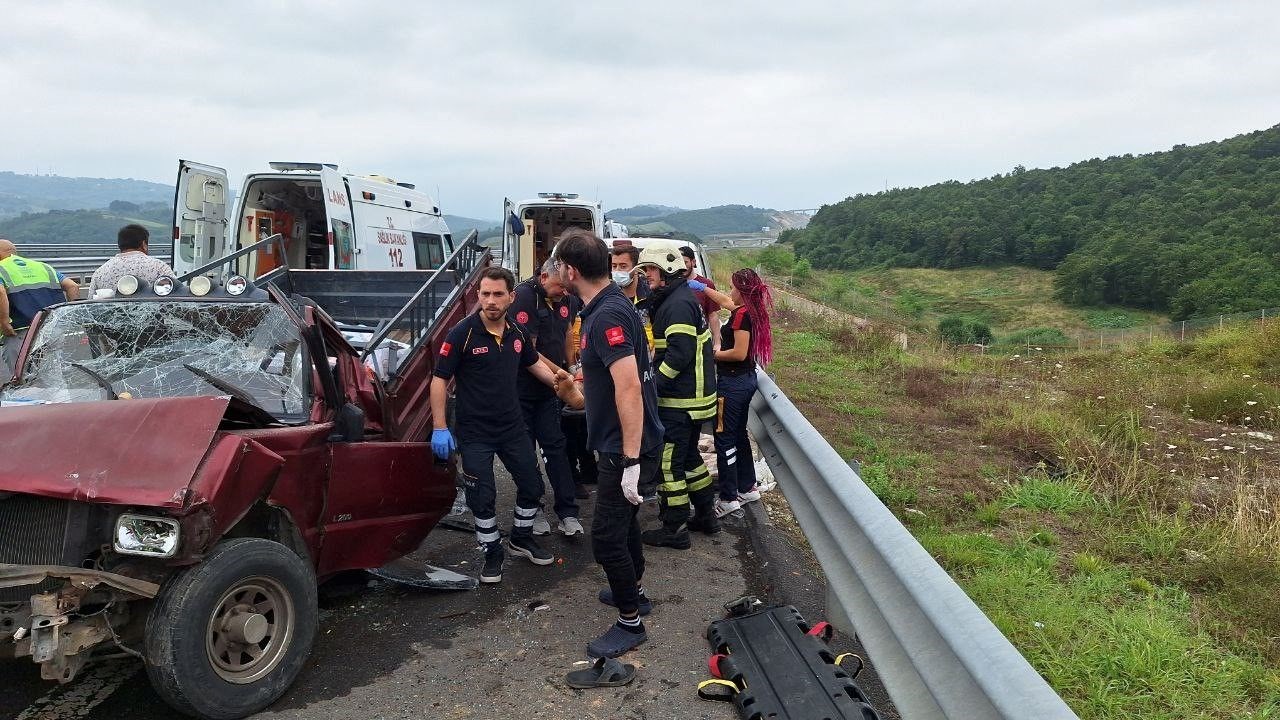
[615,336]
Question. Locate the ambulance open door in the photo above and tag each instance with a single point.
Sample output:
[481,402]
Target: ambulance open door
[508,257]
[201,231]
[337,208]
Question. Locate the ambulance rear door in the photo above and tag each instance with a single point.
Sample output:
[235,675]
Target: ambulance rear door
[201,231]
[509,238]
[337,208]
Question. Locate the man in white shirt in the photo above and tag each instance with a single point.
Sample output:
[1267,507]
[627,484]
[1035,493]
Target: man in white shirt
[132,260]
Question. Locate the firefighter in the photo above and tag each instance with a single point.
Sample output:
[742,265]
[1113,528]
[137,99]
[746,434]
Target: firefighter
[544,310]
[482,354]
[622,427]
[686,382]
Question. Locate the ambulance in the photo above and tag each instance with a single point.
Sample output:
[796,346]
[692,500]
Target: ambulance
[330,220]
[526,244]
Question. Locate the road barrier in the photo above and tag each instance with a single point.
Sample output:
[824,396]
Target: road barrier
[938,655]
[79,261]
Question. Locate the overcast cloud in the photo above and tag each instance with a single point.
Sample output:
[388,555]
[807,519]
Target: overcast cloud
[776,104]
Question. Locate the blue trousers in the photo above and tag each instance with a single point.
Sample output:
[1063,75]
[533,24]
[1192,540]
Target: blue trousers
[737,470]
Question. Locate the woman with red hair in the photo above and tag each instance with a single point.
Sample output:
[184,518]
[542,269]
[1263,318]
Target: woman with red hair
[745,343]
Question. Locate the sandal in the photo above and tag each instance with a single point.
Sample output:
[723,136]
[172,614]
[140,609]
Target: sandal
[605,672]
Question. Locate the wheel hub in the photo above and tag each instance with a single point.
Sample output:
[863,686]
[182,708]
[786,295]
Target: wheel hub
[250,630]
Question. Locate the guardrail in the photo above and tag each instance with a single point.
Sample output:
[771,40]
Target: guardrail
[80,260]
[938,655]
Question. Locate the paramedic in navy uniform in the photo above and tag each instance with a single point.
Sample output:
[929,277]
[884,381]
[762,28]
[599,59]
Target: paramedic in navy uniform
[622,428]
[483,355]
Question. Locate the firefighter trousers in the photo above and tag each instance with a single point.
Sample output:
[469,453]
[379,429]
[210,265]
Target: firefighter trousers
[683,477]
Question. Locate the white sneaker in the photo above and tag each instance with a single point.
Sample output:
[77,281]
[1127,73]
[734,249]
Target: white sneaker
[540,524]
[751,495]
[729,507]
[459,503]
[570,527]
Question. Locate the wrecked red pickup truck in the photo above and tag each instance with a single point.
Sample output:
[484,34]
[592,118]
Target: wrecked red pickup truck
[183,463]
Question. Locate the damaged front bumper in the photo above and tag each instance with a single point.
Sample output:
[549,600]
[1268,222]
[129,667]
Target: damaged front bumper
[58,628]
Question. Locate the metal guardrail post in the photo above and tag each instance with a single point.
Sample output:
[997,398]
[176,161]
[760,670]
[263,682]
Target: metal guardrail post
[938,655]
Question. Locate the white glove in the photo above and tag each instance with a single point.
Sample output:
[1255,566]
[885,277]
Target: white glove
[631,484]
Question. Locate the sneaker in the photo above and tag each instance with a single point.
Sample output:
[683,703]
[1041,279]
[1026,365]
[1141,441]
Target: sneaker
[493,557]
[616,641]
[570,527]
[527,547]
[727,507]
[751,495]
[459,503]
[677,539]
[540,524]
[706,523]
[645,605]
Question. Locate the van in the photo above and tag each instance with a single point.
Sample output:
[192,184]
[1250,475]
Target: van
[329,220]
[543,219]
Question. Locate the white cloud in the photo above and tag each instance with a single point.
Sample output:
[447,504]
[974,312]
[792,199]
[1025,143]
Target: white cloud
[775,104]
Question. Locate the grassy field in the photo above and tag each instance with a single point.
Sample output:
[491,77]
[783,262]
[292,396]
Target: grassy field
[1114,514]
[1007,299]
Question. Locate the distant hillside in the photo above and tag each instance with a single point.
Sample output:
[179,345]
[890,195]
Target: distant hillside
[88,226]
[642,213]
[38,193]
[459,226]
[709,221]
[1192,230]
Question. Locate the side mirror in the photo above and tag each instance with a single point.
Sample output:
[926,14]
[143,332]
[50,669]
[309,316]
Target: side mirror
[348,426]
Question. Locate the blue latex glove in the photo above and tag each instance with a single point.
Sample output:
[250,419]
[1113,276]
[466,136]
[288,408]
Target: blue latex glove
[696,285]
[442,443]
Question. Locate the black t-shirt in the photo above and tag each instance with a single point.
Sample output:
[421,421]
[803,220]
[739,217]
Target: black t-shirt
[739,320]
[546,324]
[484,370]
[611,330]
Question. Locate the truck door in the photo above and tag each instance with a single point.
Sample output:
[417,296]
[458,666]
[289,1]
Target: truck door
[337,208]
[200,229]
[508,257]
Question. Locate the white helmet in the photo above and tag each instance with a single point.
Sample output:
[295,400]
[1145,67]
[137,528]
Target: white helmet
[663,253]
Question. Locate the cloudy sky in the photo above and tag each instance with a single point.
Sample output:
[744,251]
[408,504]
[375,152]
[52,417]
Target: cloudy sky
[777,104]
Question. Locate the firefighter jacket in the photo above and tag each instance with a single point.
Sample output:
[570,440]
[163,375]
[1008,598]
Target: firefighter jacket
[683,354]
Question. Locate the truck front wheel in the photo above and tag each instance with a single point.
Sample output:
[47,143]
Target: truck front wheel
[227,636]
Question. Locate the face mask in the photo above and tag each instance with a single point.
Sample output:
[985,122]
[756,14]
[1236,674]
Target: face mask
[622,278]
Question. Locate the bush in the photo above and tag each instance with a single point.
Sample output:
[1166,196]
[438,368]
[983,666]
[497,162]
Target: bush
[1038,336]
[961,331]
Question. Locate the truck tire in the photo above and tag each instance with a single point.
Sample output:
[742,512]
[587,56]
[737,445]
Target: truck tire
[227,636]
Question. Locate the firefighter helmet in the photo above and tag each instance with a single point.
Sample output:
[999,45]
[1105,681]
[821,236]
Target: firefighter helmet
[663,253]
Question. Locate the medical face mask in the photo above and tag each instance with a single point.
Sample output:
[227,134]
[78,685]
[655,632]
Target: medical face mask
[622,278]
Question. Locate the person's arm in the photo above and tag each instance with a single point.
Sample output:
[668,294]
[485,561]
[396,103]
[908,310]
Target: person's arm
[724,301]
[737,353]
[439,400]
[6,326]
[626,395]
[70,288]
[713,324]
[682,340]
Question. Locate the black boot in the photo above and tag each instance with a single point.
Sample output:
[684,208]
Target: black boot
[704,519]
[673,537]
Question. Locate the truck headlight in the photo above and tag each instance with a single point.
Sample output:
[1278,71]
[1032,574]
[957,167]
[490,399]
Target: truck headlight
[146,535]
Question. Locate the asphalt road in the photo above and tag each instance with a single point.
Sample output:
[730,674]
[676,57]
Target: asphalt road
[497,652]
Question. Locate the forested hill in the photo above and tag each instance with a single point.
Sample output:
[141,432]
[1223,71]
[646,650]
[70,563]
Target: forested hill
[1193,230]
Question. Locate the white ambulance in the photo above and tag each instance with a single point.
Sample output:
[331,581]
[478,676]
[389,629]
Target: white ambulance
[329,220]
[543,219]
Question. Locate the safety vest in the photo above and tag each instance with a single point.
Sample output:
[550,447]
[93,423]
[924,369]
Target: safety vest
[31,285]
[680,330]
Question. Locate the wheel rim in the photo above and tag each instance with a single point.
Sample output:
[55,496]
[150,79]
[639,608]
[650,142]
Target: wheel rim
[250,630]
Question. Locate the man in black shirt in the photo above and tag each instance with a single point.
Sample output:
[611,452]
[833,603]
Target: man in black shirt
[622,427]
[483,355]
[544,310]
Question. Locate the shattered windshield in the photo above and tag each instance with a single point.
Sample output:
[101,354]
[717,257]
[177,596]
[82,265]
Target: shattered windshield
[149,349]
